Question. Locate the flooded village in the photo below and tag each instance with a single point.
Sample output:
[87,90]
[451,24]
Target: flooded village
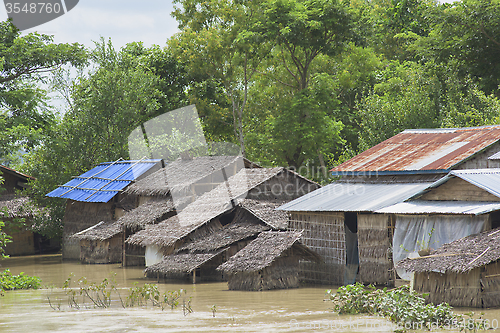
[255,248]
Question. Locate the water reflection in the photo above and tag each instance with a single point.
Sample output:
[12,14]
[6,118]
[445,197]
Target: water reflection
[294,310]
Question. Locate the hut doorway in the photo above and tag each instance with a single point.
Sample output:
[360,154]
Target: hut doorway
[351,247]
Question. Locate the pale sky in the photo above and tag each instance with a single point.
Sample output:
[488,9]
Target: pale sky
[123,20]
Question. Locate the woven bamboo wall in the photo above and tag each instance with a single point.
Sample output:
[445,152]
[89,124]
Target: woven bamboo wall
[282,274]
[80,216]
[101,252]
[462,290]
[374,243]
[490,282]
[323,233]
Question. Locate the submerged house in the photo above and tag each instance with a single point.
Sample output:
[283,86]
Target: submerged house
[339,223]
[465,272]
[344,222]
[159,196]
[463,203]
[271,261]
[97,196]
[219,223]
[24,240]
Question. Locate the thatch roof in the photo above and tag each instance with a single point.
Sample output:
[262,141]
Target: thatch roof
[243,226]
[151,212]
[155,210]
[181,263]
[179,174]
[207,207]
[163,234]
[459,256]
[18,207]
[265,211]
[261,252]
[101,231]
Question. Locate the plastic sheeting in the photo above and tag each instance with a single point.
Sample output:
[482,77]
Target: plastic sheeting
[153,255]
[414,232]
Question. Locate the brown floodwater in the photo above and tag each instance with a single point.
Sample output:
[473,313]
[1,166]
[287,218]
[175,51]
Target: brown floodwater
[292,310]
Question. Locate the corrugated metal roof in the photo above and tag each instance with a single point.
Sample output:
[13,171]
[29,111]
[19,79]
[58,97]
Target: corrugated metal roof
[104,181]
[441,207]
[422,151]
[486,179]
[353,197]
[495,156]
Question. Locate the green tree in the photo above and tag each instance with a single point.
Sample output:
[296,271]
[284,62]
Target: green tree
[119,93]
[223,42]
[304,29]
[466,36]
[24,61]
[406,96]
[4,238]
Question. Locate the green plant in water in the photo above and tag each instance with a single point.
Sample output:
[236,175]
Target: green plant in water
[15,282]
[400,305]
[214,310]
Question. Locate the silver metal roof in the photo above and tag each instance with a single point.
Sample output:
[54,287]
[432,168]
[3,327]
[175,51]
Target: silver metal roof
[495,156]
[486,179]
[353,197]
[441,207]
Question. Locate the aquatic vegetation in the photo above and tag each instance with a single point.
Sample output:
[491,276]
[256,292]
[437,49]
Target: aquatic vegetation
[407,309]
[21,281]
[100,295]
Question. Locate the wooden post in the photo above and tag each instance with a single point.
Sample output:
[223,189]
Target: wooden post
[124,255]
[194,276]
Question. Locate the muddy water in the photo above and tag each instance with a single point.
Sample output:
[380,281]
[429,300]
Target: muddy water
[295,310]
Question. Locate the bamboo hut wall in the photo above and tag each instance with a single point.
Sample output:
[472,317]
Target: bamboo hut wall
[284,186]
[323,233]
[11,183]
[283,273]
[374,243]
[490,282]
[101,252]
[134,255]
[23,241]
[457,189]
[80,216]
[463,290]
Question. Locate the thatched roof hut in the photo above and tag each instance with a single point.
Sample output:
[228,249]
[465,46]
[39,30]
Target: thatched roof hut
[247,183]
[180,174]
[271,261]
[18,206]
[179,265]
[465,272]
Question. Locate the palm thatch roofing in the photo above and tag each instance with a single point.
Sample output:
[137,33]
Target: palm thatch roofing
[243,226]
[181,263]
[264,250]
[18,207]
[155,210]
[100,232]
[459,256]
[179,174]
[210,205]
[266,212]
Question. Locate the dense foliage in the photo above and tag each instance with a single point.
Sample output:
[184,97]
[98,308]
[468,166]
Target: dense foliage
[298,83]
[407,309]
[21,281]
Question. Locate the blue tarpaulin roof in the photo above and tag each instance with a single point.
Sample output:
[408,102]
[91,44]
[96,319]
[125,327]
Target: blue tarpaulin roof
[104,181]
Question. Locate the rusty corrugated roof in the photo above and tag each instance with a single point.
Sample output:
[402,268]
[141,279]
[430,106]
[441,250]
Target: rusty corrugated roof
[422,150]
